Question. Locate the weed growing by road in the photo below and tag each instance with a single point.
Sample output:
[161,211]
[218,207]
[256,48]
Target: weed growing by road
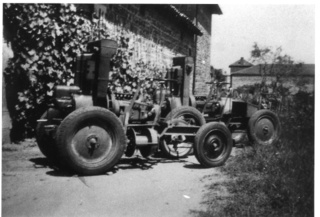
[274,180]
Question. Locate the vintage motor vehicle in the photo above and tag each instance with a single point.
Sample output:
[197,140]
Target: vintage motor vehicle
[88,128]
[241,118]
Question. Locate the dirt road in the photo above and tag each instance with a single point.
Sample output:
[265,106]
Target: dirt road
[136,187]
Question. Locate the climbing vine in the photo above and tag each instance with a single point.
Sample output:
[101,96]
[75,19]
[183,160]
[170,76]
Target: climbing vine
[45,40]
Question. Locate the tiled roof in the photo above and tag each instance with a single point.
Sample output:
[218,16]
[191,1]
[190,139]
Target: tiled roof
[214,8]
[241,63]
[303,69]
[181,17]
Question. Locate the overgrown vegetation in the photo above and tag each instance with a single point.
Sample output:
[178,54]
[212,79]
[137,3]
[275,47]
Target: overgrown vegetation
[273,180]
[277,180]
[45,40]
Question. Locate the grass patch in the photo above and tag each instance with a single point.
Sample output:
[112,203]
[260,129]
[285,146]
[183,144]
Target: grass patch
[274,180]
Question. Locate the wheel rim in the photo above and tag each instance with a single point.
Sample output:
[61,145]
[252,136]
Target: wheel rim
[214,146]
[93,144]
[177,148]
[265,129]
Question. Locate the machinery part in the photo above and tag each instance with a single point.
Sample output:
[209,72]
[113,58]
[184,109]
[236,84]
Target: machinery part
[176,146]
[90,140]
[46,131]
[189,116]
[213,144]
[63,96]
[264,127]
[82,101]
[192,101]
[113,104]
[131,147]
[147,142]
[173,102]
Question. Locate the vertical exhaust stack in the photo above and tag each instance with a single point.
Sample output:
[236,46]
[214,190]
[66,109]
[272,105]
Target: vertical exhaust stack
[187,66]
[103,50]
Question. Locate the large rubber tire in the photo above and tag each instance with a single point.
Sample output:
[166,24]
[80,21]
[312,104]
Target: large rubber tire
[46,142]
[190,116]
[90,141]
[213,144]
[264,127]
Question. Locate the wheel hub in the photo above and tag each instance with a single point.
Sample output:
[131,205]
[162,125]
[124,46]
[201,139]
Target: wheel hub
[265,130]
[92,142]
[215,144]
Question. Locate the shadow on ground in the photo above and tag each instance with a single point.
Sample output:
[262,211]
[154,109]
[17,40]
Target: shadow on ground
[124,164]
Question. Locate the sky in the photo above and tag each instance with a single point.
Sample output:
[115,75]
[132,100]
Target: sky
[235,31]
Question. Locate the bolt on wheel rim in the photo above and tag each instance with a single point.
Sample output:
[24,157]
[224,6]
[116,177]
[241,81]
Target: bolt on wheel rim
[92,144]
[264,129]
[214,146]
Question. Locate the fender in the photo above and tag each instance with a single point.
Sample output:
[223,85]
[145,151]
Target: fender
[82,101]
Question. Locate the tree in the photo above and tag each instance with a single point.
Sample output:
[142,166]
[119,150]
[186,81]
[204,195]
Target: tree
[217,74]
[274,63]
[278,66]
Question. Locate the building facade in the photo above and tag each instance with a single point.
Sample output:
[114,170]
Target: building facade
[244,73]
[160,32]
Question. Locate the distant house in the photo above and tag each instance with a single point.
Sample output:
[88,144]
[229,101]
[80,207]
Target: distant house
[239,65]
[244,73]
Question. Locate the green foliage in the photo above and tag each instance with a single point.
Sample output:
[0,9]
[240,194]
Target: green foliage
[126,74]
[45,40]
[275,180]
[272,62]
[217,74]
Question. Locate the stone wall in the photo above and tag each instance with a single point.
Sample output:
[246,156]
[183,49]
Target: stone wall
[154,37]
[157,39]
[203,62]
[201,16]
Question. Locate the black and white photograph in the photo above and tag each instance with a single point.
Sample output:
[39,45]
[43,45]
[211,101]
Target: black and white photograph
[158,109]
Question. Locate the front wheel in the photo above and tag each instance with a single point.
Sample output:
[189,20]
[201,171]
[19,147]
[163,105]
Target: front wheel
[213,144]
[91,140]
[264,127]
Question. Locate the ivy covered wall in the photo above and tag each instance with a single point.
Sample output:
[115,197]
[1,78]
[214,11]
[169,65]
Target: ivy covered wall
[154,37]
[46,38]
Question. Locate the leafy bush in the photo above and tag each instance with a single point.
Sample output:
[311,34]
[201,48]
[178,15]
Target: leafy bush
[45,40]
[275,180]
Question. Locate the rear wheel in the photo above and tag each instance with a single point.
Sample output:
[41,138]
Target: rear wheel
[264,127]
[91,140]
[46,132]
[181,147]
[213,144]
